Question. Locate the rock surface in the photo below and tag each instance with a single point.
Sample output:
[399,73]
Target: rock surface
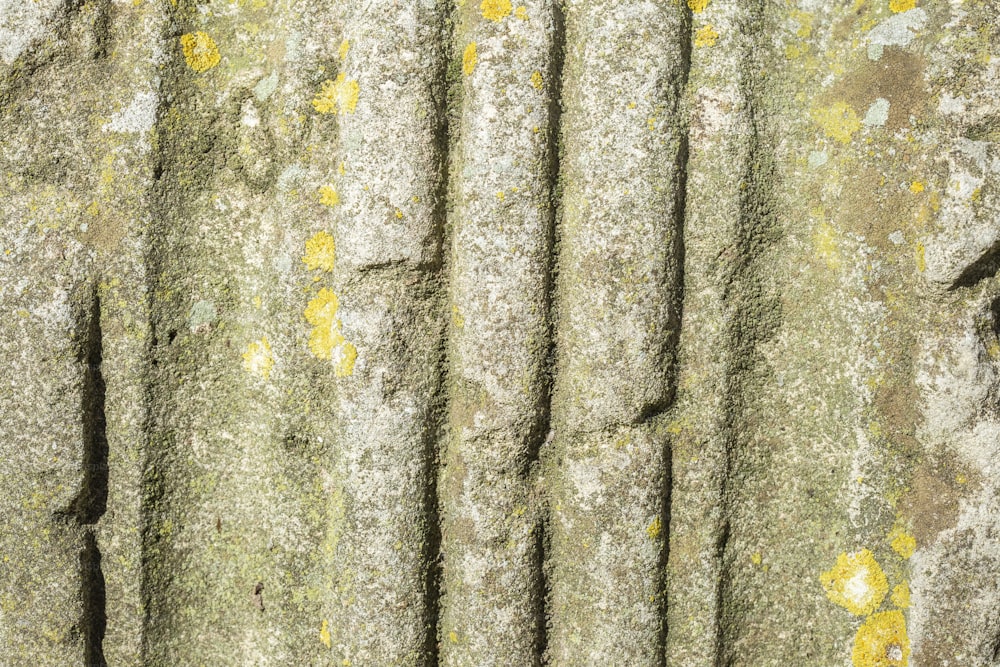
[563,332]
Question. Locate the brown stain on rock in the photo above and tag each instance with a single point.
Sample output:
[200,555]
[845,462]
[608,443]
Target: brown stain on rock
[896,401]
[105,233]
[875,207]
[897,76]
[931,502]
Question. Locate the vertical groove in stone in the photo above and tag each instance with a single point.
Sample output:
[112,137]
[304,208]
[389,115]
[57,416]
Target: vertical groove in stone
[91,501]
[719,156]
[232,499]
[131,39]
[500,344]
[556,70]
[617,299]
[751,317]
[385,333]
[93,592]
[679,251]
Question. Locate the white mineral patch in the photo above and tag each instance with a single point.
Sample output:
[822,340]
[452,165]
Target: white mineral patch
[878,113]
[956,385]
[21,23]
[963,184]
[897,237]
[978,152]
[898,30]
[818,159]
[265,87]
[949,105]
[293,47]
[587,479]
[202,314]
[289,176]
[56,313]
[250,117]
[283,264]
[139,116]
[857,589]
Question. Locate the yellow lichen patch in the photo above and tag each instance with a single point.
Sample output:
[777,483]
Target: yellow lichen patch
[536,80]
[677,426]
[469,58]
[345,46]
[328,196]
[257,358]
[326,340]
[805,21]
[495,10]
[322,314]
[653,529]
[898,6]
[856,582]
[916,187]
[838,121]
[200,51]
[321,252]
[756,558]
[521,12]
[882,642]
[698,6]
[918,253]
[324,634]
[344,356]
[337,96]
[347,94]
[326,100]
[901,595]
[453,637]
[902,542]
[706,36]
[825,245]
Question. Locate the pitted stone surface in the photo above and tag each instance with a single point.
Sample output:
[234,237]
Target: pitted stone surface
[485,332]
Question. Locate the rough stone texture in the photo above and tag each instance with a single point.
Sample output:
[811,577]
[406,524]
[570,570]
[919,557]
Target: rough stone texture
[565,332]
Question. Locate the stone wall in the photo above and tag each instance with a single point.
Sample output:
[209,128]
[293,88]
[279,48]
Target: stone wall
[563,332]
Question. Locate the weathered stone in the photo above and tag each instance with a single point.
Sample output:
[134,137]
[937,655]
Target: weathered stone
[648,332]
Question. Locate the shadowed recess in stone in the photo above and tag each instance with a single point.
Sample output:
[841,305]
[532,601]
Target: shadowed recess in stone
[91,501]
[984,267]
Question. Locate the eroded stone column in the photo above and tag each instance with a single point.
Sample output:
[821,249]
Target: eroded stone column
[502,175]
[617,293]
[380,323]
[235,504]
